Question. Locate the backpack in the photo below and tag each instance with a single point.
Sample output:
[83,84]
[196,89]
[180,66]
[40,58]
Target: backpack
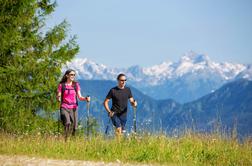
[63,88]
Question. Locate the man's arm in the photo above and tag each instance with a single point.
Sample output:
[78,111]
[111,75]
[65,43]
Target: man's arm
[106,106]
[133,102]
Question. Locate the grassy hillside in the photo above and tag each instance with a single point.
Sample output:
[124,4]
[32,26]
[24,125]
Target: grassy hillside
[189,149]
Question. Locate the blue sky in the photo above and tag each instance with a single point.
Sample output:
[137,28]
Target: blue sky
[122,33]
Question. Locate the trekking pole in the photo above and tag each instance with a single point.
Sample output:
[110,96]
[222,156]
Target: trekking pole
[107,127]
[88,107]
[134,118]
[59,120]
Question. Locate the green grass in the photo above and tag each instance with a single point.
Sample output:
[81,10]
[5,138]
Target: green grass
[189,149]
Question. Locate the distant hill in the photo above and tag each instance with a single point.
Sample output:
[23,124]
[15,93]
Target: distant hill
[228,107]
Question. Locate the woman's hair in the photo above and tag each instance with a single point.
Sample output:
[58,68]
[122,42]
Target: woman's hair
[64,78]
[120,75]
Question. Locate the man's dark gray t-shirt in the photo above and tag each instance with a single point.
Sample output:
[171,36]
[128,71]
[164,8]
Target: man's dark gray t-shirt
[119,99]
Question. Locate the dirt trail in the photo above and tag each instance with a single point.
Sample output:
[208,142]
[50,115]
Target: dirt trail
[15,160]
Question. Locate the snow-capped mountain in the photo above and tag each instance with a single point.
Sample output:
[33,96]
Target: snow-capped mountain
[193,76]
[246,74]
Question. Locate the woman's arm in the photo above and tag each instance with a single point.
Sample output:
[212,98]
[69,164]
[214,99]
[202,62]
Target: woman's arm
[59,96]
[82,98]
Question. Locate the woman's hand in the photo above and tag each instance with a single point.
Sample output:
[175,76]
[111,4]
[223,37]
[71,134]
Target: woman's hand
[85,98]
[59,98]
[88,98]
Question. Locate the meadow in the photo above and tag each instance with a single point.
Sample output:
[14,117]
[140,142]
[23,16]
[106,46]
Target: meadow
[189,149]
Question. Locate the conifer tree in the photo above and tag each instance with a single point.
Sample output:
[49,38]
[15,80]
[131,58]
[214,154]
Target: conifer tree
[31,59]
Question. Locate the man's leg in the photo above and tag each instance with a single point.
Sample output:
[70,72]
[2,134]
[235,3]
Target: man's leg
[118,128]
[123,120]
[119,131]
[118,134]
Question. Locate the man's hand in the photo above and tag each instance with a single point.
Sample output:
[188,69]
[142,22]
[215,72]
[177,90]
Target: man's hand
[134,104]
[111,113]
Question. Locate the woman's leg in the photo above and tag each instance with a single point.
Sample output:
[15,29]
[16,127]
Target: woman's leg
[75,121]
[65,117]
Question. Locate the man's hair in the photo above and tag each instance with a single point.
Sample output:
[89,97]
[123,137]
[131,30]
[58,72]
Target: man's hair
[120,75]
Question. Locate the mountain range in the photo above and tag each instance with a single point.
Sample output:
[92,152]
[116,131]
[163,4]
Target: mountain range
[192,77]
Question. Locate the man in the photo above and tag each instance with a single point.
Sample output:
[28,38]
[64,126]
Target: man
[120,96]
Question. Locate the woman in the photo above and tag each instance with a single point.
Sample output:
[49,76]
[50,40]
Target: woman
[67,94]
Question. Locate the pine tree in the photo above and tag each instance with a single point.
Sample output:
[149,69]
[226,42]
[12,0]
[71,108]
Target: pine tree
[31,59]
